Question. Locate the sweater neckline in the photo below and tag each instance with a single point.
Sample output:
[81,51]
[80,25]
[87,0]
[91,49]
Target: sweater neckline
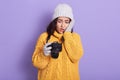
[58,35]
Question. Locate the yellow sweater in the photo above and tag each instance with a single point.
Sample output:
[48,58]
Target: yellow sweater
[65,67]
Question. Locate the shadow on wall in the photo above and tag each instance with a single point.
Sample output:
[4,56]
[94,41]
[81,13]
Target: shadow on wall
[29,71]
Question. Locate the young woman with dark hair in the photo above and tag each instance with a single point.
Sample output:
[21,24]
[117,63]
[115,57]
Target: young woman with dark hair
[59,49]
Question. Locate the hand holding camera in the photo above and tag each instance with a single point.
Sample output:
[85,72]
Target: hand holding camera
[46,49]
[53,49]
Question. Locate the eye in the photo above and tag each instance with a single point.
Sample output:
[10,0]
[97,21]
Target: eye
[59,21]
[67,22]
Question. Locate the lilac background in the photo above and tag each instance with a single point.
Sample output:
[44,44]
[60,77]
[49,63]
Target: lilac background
[97,21]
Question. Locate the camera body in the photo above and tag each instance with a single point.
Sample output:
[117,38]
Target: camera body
[56,48]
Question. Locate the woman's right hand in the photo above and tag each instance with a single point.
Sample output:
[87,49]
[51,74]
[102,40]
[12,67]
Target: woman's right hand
[46,49]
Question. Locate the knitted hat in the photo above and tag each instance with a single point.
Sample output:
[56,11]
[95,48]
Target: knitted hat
[63,10]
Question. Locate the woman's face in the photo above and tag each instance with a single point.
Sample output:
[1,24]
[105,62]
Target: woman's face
[62,24]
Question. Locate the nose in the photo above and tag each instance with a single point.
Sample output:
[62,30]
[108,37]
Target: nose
[63,24]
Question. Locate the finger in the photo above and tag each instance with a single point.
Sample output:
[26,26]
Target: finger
[48,48]
[48,44]
[48,51]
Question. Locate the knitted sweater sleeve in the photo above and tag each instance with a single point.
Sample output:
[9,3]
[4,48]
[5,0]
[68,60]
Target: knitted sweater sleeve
[39,60]
[73,46]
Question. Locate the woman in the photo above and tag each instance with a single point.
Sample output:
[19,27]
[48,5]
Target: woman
[61,64]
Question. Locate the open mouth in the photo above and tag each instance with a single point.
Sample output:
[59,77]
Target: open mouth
[62,30]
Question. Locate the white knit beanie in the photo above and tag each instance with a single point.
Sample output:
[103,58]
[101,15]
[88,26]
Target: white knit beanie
[63,10]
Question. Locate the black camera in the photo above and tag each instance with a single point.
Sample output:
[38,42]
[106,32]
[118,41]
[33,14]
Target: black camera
[56,48]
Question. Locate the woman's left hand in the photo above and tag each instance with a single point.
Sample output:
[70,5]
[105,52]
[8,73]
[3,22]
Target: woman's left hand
[70,26]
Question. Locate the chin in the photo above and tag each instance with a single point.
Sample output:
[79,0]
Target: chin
[61,32]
